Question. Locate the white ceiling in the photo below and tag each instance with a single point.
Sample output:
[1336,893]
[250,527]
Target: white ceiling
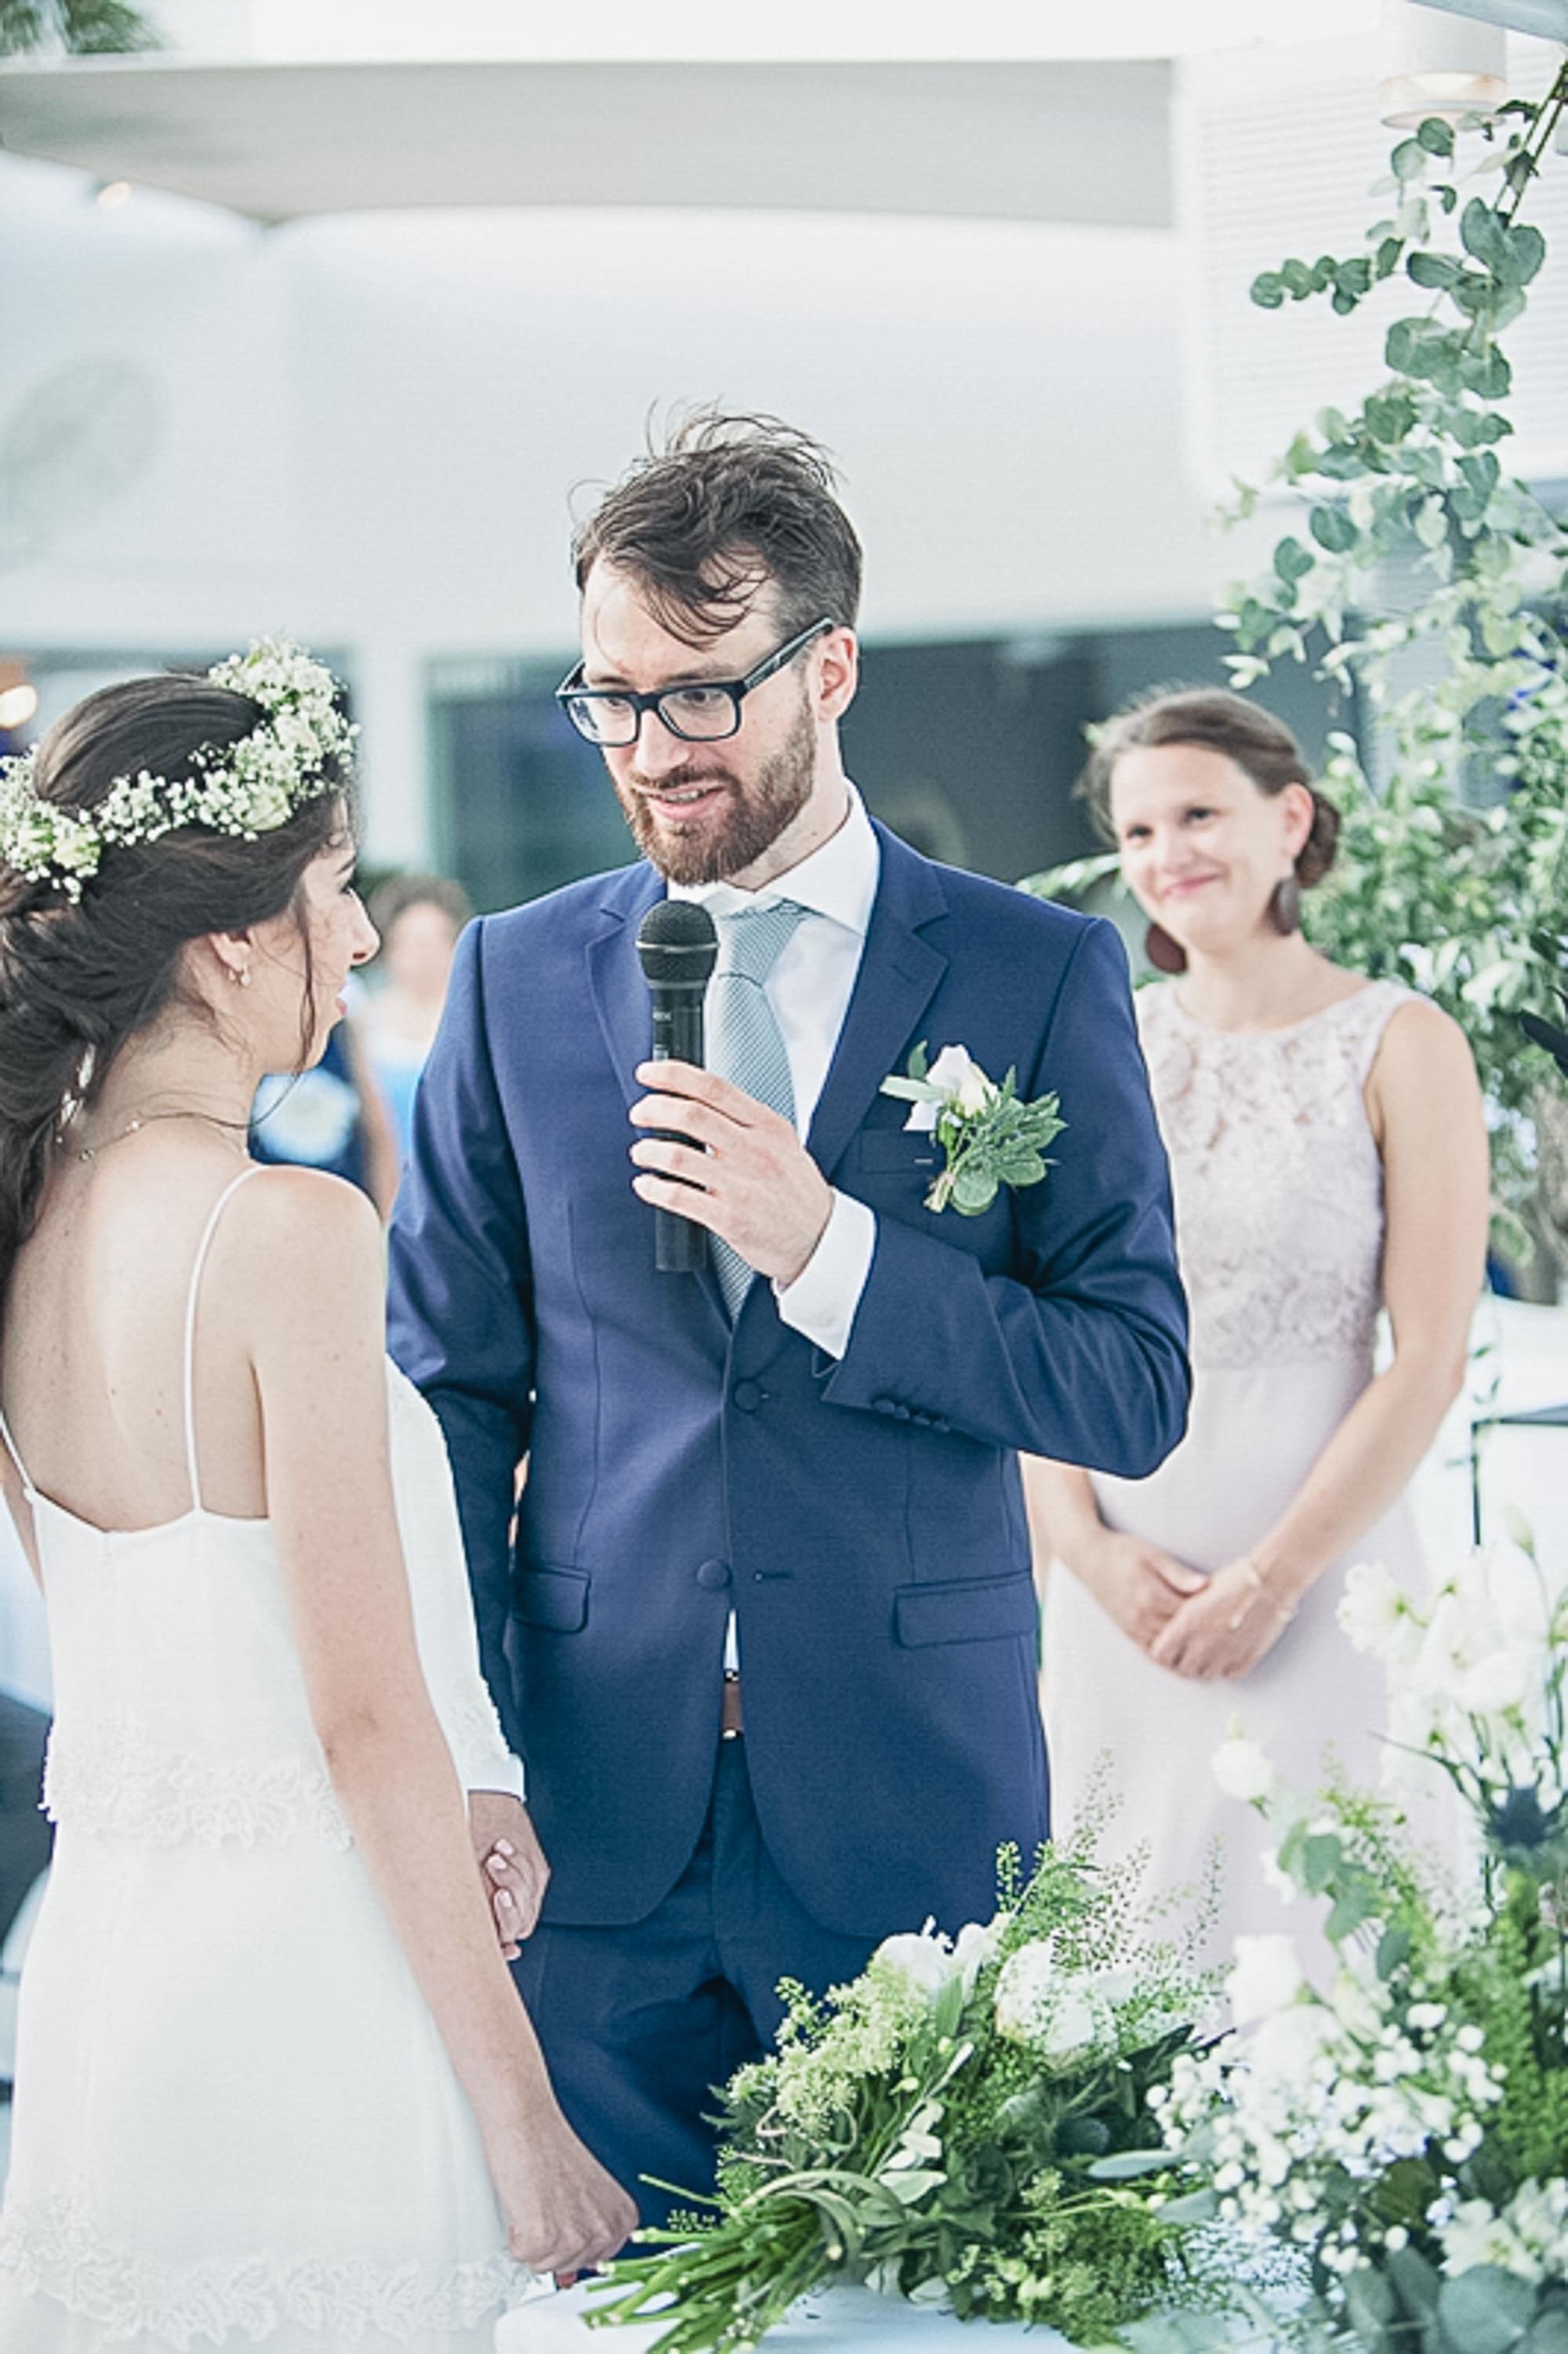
[1074,142]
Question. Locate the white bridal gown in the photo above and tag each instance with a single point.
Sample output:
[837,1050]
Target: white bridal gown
[1279,1227]
[236,2123]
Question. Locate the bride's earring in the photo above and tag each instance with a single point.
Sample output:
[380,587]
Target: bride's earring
[1285,905]
[240,974]
[1164,954]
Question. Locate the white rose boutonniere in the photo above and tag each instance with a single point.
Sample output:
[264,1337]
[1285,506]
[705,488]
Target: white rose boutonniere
[992,1137]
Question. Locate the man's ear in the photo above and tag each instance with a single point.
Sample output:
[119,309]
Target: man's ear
[838,673]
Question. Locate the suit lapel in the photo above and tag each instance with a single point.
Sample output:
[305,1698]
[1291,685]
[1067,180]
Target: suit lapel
[898,976]
[615,979]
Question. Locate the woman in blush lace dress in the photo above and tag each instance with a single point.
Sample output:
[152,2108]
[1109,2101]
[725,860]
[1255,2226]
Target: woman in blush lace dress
[1329,1159]
[274,2087]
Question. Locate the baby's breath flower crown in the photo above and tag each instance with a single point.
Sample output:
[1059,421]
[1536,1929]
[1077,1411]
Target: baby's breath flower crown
[248,789]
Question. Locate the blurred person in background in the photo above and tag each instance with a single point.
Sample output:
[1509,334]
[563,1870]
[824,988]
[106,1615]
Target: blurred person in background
[332,1118]
[419,917]
[1329,1154]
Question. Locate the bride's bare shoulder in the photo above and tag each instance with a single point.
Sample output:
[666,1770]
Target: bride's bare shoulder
[299,1227]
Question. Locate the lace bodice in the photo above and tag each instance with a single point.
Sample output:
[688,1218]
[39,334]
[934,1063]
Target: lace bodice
[1276,1176]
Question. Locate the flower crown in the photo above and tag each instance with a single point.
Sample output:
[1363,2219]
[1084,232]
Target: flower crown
[246,789]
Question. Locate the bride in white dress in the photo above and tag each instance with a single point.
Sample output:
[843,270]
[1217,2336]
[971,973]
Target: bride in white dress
[275,2086]
[1327,1158]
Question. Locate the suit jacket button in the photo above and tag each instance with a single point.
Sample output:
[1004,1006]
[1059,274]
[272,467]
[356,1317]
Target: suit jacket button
[747,1396]
[713,1574]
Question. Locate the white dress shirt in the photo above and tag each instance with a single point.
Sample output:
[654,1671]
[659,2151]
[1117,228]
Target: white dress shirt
[809,989]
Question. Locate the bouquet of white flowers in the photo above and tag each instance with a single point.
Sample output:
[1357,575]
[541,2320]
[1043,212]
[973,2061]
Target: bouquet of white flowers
[970,2121]
[1406,2128]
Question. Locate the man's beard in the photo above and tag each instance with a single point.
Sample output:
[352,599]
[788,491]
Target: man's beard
[757,814]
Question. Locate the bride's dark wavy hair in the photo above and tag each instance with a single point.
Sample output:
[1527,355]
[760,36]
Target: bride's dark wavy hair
[77,981]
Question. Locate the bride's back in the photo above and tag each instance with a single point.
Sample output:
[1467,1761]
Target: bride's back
[93,1343]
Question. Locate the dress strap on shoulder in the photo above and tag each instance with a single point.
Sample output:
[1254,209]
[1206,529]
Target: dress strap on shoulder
[27,1488]
[203,1247]
[1369,1013]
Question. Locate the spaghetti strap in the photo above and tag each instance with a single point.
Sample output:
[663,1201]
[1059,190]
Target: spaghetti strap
[203,1247]
[27,1488]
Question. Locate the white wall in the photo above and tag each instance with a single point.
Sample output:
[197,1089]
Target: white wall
[370,425]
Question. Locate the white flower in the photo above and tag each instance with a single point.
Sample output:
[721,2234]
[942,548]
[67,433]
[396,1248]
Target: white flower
[1286,2047]
[1519,1528]
[1076,2021]
[1355,2006]
[1377,1614]
[1267,1976]
[974,1946]
[1497,1683]
[1478,2235]
[1240,1767]
[961,1080]
[1023,1988]
[924,1957]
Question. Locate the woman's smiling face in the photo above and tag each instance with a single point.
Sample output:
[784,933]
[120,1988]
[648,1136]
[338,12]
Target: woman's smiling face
[1202,847]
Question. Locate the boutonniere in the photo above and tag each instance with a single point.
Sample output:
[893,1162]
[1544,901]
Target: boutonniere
[992,1137]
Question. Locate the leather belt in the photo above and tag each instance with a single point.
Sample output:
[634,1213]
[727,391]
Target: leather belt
[732,1724]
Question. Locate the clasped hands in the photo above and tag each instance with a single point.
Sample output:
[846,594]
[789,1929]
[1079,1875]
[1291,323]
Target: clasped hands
[510,1865]
[1201,1628]
[748,1176]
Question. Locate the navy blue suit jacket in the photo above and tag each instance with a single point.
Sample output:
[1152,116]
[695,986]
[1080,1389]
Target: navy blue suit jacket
[861,1517]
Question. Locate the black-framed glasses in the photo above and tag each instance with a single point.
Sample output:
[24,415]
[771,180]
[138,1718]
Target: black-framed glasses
[703,712]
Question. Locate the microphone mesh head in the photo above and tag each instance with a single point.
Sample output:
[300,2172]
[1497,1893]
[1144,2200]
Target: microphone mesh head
[677,945]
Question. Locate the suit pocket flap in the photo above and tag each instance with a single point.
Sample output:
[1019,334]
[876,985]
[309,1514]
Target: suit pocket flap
[966,1610]
[551,1597]
[880,1150]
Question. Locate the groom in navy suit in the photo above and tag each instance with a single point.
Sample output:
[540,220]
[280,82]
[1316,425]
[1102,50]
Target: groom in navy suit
[760,1620]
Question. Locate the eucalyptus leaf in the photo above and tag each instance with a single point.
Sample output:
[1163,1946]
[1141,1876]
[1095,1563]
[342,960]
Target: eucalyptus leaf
[1371,2304]
[1129,2165]
[1417,2281]
[974,1191]
[1436,135]
[1548,2334]
[1485,2310]
[1484,233]
[1331,528]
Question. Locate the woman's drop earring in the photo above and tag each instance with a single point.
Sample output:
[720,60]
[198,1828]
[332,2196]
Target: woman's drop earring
[1164,954]
[1285,905]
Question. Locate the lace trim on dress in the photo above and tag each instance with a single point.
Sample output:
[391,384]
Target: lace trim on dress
[125,1787]
[54,2251]
[478,1745]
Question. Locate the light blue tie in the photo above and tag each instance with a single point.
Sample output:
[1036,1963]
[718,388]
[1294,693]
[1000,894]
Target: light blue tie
[745,1044]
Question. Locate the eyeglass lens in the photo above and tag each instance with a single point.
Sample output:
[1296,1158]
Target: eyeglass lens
[696,713]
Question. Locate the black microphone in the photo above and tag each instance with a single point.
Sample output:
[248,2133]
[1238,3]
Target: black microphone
[677,945]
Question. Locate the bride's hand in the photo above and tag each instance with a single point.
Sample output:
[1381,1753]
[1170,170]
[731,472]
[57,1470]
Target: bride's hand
[1227,1628]
[510,1862]
[1140,1587]
[564,2213]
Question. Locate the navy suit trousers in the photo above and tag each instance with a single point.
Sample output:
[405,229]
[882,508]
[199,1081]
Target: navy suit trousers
[640,2024]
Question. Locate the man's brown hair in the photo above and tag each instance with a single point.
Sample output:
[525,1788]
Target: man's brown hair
[727,504]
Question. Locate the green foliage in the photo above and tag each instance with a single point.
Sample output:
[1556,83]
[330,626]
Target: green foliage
[1447,876]
[910,2132]
[83,27]
[990,1135]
